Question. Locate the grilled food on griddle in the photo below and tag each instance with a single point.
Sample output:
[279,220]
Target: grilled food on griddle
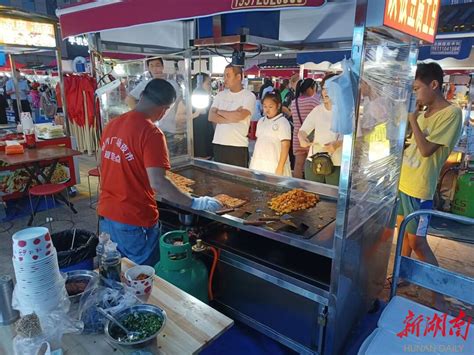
[181,182]
[294,200]
[229,201]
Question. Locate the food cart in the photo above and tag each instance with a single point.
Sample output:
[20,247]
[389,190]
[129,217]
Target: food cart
[306,284]
[23,33]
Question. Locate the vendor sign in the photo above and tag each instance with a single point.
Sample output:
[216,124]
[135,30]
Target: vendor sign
[446,47]
[26,33]
[256,4]
[417,18]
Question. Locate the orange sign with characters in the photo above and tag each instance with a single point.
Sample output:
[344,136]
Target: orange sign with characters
[418,18]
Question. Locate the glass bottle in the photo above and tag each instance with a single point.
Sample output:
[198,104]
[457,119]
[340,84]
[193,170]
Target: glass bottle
[110,265]
[99,250]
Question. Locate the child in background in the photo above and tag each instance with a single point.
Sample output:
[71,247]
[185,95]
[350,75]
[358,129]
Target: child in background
[273,139]
[304,102]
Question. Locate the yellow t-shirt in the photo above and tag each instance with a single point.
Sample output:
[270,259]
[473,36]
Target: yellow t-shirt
[419,175]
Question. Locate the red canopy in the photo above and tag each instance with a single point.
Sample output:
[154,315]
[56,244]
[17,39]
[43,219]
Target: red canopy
[84,17]
[271,72]
[7,67]
[253,70]
[279,73]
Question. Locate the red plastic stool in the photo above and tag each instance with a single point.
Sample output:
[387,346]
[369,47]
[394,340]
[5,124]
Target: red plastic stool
[53,190]
[94,173]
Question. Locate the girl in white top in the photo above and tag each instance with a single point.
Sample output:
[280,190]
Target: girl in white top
[273,139]
[319,120]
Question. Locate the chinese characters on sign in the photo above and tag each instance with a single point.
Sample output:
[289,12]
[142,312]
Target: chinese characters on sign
[418,18]
[78,40]
[116,157]
[436,325]
[26,33]
[446,47]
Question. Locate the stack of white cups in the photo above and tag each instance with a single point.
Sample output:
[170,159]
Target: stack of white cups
[39,285]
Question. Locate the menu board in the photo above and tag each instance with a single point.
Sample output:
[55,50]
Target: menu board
[26,33]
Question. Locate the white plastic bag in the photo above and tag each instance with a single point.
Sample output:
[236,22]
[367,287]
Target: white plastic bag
[111,296]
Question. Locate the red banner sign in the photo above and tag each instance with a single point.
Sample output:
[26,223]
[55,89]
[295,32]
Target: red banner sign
[418,18]
[256,4]
[82,17]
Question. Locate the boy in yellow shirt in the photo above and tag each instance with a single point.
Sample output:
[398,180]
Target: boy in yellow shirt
[435,133]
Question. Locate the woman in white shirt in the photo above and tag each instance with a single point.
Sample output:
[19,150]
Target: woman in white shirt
[273,139]
[319,120]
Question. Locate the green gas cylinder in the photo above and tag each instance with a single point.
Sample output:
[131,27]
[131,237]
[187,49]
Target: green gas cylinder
[463,203]
[178,266]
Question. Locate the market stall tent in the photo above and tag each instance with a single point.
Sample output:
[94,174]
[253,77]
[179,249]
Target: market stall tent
[351,253]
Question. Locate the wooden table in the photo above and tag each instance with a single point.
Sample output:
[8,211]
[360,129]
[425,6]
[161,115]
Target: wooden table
[37,155]
[191,326]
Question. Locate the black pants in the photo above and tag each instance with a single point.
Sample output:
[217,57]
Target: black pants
[25,107]
[238,156]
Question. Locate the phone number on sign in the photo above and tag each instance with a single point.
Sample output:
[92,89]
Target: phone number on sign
[239,4]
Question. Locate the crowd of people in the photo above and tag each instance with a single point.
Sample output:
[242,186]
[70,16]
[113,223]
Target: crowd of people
[32,97]
[293,126]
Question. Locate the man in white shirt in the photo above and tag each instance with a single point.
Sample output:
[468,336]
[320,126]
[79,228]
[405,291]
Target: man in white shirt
[231,111]
[23,90]
[175,137]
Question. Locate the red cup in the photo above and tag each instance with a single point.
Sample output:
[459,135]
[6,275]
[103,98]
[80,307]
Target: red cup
[30,139]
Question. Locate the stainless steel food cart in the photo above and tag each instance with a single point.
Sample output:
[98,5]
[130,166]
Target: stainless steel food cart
[306,287]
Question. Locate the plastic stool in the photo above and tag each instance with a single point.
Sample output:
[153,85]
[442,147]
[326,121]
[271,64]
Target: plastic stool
[48,190]
[95,173]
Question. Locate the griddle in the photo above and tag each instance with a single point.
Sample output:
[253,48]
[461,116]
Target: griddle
[258,193]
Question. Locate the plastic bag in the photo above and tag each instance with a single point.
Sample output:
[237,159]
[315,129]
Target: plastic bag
[342,90]
[109,295]
[28,346]
[53,325]
[85,243]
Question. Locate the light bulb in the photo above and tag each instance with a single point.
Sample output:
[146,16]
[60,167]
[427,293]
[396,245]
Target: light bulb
[200,98]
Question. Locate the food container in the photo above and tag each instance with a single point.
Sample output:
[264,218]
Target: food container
[83,278]
[7,314]
[32,245]
[111,328]
[141,286]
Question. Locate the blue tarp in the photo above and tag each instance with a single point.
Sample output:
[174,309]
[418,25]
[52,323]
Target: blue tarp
[457,48]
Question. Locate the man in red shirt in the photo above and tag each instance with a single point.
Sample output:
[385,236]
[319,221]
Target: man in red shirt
[134,160]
